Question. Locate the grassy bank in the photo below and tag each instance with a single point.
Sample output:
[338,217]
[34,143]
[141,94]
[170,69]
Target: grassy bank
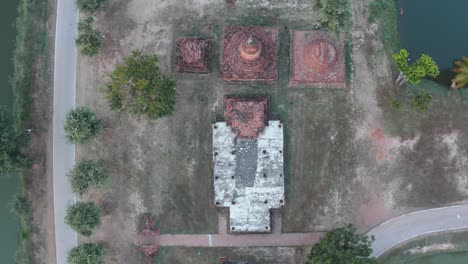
[385,13]
[30,60]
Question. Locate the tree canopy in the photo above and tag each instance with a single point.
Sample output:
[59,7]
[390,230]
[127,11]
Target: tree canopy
[461,70]
[12,144]
[414,73]
[90,6]
[342,246]
[87,253]
[421,100]
[82,125]
[138,87]
[333,14]
[87,174]
[83,217]
[89,40]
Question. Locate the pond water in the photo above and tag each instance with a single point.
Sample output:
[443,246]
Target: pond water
[8,183]
[437,28]
[452,258]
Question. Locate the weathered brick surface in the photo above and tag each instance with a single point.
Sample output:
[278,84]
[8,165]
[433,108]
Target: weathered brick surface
[250,54]
[247,116]
[193,55]
[317,59]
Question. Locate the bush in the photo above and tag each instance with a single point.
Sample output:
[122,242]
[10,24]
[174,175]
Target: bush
[89,40]
[12,144]
[90,6]
[421,100]
[88,253]
[82,125]
[138,87]
[21,206]
[342,246]
[88,173]
[396,104]
[333,14]
[83,217]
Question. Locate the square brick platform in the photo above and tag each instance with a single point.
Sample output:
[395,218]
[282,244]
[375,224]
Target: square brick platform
[193,55]
[317,60]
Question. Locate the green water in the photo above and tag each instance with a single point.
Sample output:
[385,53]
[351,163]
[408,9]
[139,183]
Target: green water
[435,27]
[8,184]
[452,258]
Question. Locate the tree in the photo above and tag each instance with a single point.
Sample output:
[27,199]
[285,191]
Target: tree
[333,14]
[90,6]
[87,253]
[89,40]
[83,217]
[461,70]
[12,144]
[424,66]
[82,125]
[88,173]
[342,246]
[138,87]
[421,100]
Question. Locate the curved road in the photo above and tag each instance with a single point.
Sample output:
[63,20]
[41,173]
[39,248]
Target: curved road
[408,226]
[64,100]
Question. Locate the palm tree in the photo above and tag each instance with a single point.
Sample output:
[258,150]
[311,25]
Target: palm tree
[461,70]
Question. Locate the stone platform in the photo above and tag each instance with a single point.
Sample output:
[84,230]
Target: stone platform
[317,60]
[193,55]
[250,54]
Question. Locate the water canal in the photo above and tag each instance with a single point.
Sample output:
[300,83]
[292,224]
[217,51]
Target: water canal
[8,183]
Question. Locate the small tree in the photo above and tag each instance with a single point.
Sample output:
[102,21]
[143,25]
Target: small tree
[333,14]
[138,87]
[88,173]
[342,246]
[424,66]
[83,217]
[421,100]
[90,6]
[461,70]
[12,144]
[88,253]
[89,40]
[82,125]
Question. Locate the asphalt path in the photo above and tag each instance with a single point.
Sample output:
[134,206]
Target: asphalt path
[406,227]
[64,100]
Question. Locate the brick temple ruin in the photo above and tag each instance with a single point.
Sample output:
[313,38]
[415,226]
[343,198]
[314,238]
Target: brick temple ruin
[317,60]
[193,55]
[250,54]
[248,164]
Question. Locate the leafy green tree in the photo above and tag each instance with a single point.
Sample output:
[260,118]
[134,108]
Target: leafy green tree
[90,6]
[87,174]
[12,144]
[461,70]
[82,125]
[89,40]
[414,73]
[138,87]
[83,217]
[342,246]
[87,253]
[421,100]
[333,14]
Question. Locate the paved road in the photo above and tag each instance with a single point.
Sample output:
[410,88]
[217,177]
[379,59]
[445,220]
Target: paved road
[64,100]
[406,227]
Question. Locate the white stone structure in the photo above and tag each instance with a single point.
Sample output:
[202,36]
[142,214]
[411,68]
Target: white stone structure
[249,176]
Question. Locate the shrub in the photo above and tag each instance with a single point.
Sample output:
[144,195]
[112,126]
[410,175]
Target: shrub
[396,104]
[83,217]
[333,14]
[421,100]
[89,40]
[21,206]
[377,8]
[90,6]
[12,144]
[88,253]
[342,246]
[82,125]
[88,173]
[137,86]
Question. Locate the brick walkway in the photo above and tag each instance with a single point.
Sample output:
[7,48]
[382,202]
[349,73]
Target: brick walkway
[223,239]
